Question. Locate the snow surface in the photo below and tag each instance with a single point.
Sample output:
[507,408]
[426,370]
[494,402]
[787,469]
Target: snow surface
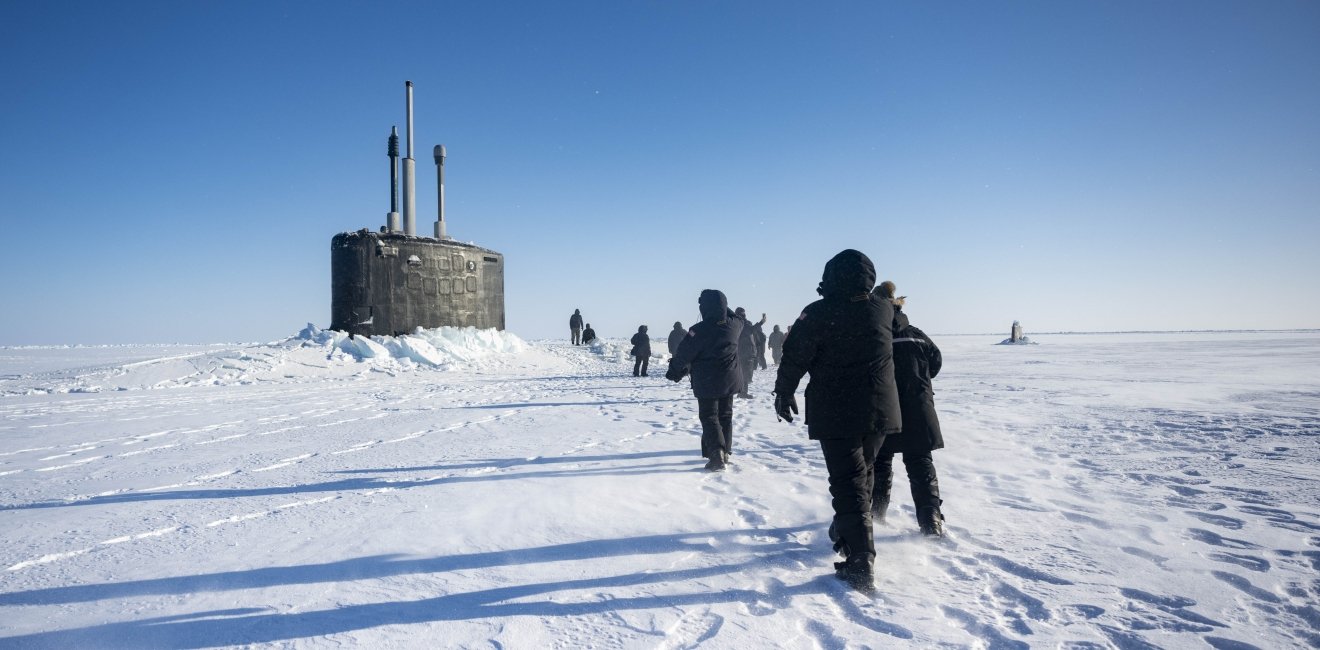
[466,489]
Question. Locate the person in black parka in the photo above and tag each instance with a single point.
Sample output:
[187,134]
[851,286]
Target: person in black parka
[776,343]
[710,353]
[917,361]
[641,349]
[588,335]
[575,326]
[845,341]
[675,337]
[747,351]
[760,338]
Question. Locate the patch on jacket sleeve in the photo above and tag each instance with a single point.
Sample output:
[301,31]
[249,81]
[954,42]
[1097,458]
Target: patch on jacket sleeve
[802,316]
[692,332]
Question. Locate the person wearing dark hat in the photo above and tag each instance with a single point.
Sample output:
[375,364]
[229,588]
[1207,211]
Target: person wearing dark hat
[917,361]
[641,349]
[709,352]
[675,337]
[845,342]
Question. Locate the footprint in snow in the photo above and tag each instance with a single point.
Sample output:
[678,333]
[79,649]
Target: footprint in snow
[1222,521]
[1252,563]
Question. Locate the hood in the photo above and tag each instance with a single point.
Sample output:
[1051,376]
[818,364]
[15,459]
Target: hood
[678,326]
[641,330]
[713,304]
[848,274]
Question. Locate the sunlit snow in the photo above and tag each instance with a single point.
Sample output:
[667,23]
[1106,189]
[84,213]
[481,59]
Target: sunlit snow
[460,488]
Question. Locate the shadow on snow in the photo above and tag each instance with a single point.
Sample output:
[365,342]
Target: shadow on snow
[261,625]
[376,483]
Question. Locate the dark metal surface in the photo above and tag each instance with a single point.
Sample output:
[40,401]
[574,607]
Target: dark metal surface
[391,283]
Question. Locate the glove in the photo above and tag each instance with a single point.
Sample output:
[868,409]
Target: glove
[785,406]
[674,374]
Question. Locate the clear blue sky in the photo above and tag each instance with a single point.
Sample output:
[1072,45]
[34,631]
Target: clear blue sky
[174,171]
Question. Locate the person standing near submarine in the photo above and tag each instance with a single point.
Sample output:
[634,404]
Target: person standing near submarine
[575,326]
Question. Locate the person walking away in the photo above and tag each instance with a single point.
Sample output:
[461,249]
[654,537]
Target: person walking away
[845,343]
[709,352]
[759,335]
[641,348]
[746,352]
[588,335]
[776,343]
[575,326]
[675,337]
[917,361]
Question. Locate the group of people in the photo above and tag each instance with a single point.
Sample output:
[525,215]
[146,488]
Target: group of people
[869,396]
[752,343]
[580,335]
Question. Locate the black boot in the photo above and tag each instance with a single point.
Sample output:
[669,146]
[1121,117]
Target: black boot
[879,506]
[931,521]
[857,572]
[717,463]
[840,546]
[882,486]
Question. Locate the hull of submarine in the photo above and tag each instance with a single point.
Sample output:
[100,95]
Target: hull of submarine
[392,283]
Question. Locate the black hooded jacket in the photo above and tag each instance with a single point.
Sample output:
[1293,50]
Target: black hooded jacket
[710,350]
[641,343]
[675,337]
[845,341]
[916,361]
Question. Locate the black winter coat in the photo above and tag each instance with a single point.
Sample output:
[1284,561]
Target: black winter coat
[710,350]
[588,335]
[641,343]
[845,342]
[916,361]
[747,340]
[675,337]
[575,322]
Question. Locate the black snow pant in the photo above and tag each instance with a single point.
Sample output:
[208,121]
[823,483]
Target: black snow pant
[716,416]
[851,463]
[760,359]
[748,367]
[922,479]
[639,366]
[577,336]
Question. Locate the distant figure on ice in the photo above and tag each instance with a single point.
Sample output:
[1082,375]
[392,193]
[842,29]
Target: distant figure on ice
[747,351]
[845,341]
[675,337]
[588,335]
[760,343]
[575,326]
[776,343]
[710,353]
[1015,336]
[917,360]
[641,348]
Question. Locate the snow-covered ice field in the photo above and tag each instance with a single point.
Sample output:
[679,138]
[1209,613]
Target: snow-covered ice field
[466,490]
